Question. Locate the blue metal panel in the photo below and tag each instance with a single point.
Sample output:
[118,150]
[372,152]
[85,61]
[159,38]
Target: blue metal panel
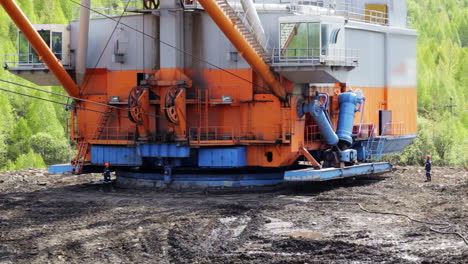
[60,168]
[361,152]
[222,157]
[164,150]
[392,144]
[115,155]
[199,180]
[336,173]
[397,144]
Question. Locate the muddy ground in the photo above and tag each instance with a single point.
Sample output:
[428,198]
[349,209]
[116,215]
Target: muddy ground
[61,219]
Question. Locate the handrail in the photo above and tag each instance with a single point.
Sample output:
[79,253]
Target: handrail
[42,49]
[28,59]
[315,56]
[340,9]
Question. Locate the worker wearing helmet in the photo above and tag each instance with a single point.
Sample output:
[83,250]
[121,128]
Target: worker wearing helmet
[107,176]
[428,168]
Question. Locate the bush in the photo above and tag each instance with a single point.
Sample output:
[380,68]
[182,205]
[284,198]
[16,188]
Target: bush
[53,151]
[30,160]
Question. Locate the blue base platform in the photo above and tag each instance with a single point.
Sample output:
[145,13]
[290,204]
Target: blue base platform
[187,181]
[60,169]
[310,175]
[203,180]
[223,178]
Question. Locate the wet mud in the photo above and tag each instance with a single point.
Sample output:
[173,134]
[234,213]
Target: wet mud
[69,219]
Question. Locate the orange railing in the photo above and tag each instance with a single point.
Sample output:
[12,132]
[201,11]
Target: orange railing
[233,135]
[367,130]
[394,129]
[312,134]
[115,133]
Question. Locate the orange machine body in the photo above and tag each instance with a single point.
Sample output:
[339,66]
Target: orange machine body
[172,91]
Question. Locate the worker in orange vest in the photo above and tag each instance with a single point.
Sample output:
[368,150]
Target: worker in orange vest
[107,176]
[428,168]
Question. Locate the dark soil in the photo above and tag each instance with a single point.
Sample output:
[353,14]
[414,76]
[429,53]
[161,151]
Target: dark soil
[64,219]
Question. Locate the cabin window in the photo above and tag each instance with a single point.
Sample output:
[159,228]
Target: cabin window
[45,35]
[334,36]
[28,55]
[324,38]
[23,49]
[57,44]
[300,39]
[314,39]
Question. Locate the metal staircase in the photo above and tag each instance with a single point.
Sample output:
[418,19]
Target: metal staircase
[102,124]
[374,147]
[84,146]
[80,158]
[242,28]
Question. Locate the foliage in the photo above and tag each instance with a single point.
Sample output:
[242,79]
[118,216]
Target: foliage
[29,160]
[442,73]
[52,151]
[26,123]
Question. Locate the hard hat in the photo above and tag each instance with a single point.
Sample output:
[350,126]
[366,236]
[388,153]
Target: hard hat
[428,156]
[106,164]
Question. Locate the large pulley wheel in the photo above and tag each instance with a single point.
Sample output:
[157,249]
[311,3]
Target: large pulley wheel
[151,4]
[135,112]
[170,105]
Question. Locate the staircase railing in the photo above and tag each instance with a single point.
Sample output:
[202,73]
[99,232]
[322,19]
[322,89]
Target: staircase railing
[243,28]
[244,41]
[374,147]
[84,147]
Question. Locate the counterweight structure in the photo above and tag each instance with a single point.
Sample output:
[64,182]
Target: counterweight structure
[228,92]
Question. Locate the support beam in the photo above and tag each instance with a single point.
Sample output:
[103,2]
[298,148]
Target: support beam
[243,46]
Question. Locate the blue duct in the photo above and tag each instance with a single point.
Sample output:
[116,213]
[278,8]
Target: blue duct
[318,113]
[348,102]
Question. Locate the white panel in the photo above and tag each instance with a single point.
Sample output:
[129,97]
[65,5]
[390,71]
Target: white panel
[402,61]
[370,71]
[139,55]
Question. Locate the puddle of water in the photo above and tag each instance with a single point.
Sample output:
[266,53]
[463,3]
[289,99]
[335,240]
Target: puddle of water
[304,234]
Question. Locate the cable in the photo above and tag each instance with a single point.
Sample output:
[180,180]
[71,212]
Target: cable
[169,45]
[399,214]
[55,102]
[450,233]
[443,225]
[79,99]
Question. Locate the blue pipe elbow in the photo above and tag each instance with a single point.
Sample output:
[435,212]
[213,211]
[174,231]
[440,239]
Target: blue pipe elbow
[318,114]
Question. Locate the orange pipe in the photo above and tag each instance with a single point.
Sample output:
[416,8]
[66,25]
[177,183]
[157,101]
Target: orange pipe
[40,47]
[241,44]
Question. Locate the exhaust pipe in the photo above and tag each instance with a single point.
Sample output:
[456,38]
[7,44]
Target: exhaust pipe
[254,21]
[82,51]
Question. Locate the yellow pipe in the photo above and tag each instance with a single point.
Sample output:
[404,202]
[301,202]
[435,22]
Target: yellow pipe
[40,47]
[241,44]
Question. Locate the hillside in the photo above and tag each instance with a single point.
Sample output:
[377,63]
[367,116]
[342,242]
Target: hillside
[32,132]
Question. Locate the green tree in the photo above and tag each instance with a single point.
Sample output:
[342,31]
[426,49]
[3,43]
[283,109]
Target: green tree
[52,151]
